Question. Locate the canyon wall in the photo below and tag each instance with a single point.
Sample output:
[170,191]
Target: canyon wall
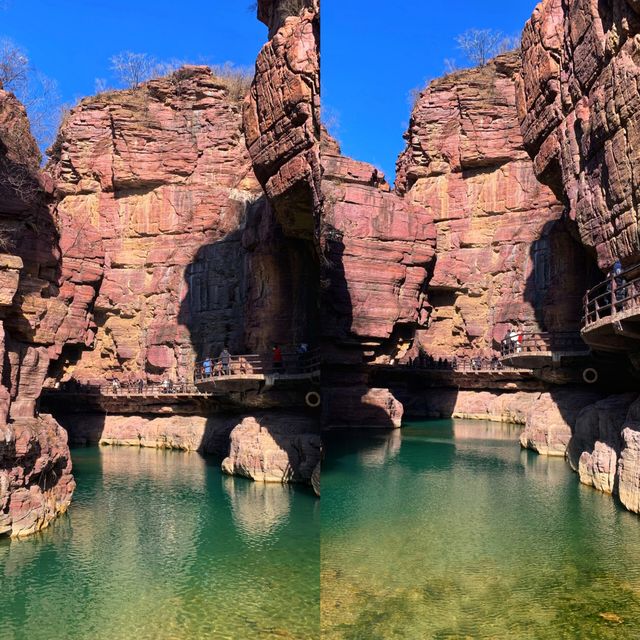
[378,250]
[156,194]
[503,252]
[35,465]
[579,107]
[153,190]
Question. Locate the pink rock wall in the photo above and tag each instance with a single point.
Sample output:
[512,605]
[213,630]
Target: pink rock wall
[35,466]
[502,254]
[152,189]
[578,106]
[378,250]
[282,114]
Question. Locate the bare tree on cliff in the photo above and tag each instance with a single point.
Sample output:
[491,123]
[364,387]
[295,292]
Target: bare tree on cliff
[480,45]
[14,66]
[133,69]
[37,92]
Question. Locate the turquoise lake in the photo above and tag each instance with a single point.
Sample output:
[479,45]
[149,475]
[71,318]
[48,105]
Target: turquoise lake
[160,545]
[448,530]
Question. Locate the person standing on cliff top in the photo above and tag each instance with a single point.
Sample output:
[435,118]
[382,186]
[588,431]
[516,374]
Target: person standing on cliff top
[225,360]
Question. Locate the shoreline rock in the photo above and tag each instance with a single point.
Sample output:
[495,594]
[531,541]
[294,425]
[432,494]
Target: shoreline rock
[36,483]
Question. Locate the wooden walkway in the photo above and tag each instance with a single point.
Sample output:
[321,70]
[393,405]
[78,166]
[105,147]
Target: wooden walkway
[536,350]
[254,369]
[611,315]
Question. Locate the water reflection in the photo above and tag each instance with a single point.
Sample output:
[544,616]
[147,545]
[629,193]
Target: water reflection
[463,534]
[259,509]
[484,430]
[158,545]
[386,448]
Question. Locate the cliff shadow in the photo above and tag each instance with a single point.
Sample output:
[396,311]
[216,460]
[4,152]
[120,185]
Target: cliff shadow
[255,288]
[561,272]
[251,290]
[348,400]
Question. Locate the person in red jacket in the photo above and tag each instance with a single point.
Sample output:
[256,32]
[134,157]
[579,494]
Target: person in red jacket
[277,358]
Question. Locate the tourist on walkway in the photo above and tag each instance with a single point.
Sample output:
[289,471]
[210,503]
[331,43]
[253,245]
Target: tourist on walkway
[277,358]
[619,284]
[207,368]
[225,360]
[140,385]
[115,385]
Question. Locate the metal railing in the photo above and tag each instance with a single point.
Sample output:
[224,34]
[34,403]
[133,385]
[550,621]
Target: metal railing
[532,343]
[617,295]
[250,365]
[117,388]
[462,365]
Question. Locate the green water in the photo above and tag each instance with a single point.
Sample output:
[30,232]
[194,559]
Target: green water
[160,545]
[449,530]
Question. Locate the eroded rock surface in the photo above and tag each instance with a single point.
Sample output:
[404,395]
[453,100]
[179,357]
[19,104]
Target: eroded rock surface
[578,102]
[502,252]
[153,187]
[36,483]
[282,114]
[379,248]
[551,420]
[274,448]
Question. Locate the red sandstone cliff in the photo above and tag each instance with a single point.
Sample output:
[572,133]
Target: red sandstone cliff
[156,195]
[282,114]
[502,253]
[578,105]
[153,188]
[35,466]
[378,250]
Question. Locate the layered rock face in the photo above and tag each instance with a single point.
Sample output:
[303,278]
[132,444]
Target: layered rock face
[157,198]
[36,483]
[578,104]
[35,466]
[153,188]
[502,251]
[282,114]
[605,448]
[378,250]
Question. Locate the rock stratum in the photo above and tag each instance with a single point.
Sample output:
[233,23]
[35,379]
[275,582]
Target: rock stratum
[189,254]
[377,250]
[153,188]
[282,114]
[578,104]
[36,483]
[502,248]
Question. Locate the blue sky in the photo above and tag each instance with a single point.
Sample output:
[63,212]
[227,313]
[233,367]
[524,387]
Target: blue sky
[71,41]
[375,52]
